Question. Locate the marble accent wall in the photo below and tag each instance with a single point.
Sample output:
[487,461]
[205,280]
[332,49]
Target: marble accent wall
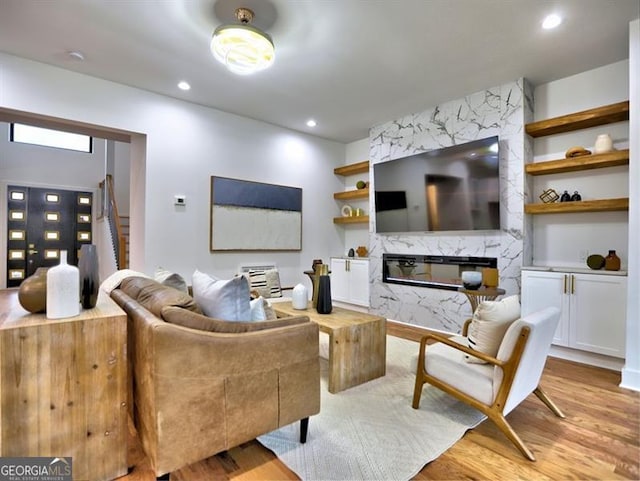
[501,111]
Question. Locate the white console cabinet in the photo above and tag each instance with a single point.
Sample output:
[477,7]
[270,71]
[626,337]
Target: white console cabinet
[350,280]
[592,308]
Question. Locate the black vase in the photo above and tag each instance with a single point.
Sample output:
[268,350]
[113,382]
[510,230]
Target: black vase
[89,276]
[323,305]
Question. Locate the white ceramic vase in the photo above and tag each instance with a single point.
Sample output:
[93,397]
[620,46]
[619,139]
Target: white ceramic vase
[63,290]
[299,297]
[603,144]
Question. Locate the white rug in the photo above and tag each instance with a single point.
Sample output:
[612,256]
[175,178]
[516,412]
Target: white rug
[371,432]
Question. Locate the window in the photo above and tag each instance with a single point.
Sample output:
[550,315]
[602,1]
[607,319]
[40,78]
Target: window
[28,134]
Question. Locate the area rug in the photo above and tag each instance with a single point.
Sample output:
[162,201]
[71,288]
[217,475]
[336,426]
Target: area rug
[371,432]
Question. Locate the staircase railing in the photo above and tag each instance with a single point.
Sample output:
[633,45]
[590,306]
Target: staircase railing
[119,239]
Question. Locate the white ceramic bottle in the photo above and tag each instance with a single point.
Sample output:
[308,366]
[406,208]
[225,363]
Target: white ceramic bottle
[299,297]
[63,290]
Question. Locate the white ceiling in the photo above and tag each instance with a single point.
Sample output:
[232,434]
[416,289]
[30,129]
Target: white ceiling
[349,64]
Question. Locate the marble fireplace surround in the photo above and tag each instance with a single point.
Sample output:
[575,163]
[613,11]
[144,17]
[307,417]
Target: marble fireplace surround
[502,111]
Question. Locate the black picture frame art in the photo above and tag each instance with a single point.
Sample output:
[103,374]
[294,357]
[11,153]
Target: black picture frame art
[254,216]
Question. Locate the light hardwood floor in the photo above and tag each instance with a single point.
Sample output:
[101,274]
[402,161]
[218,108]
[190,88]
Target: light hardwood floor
[599,439]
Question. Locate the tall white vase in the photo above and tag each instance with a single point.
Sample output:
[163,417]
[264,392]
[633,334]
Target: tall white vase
[63,290]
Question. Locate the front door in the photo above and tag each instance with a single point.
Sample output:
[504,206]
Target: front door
[40,223]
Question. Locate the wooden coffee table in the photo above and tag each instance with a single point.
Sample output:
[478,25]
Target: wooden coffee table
[357,343]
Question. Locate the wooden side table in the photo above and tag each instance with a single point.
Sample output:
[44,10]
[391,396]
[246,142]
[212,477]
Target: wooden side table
[63,386]
[476,296]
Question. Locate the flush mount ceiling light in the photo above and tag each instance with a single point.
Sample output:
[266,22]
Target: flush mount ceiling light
[243,48]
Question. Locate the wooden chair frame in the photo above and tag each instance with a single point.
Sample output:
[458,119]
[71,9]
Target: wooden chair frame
[495,410]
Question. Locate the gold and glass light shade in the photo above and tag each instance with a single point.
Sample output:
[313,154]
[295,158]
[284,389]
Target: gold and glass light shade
[243,48]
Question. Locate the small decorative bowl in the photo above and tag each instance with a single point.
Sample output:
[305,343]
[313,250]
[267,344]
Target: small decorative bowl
[471,279]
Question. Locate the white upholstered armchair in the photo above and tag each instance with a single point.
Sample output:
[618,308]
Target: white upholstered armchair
[497,387]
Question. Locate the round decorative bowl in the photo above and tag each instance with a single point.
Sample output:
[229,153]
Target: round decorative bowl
[595,261]
[471,279]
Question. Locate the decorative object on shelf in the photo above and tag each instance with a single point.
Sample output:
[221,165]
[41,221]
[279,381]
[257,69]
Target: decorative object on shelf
[565,197]
[32,293]
[314,263]
[346,211]
[299,297]
[89,276]
[576,197]
[241,47]
[595,261]
[63,289]
[490,277]
[549,196]
[351,253]
[603,144]
[323,306]
[576,152]
[361,251]
[471,279]
[612,261]
[361,184]
[358,212]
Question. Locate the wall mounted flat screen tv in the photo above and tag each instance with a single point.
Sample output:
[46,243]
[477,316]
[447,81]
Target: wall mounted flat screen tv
[455,188]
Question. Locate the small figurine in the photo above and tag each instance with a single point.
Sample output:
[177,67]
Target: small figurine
[565,197]
[575,197]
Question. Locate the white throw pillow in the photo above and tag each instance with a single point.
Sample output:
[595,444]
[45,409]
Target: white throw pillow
[257,309]
[222,299]
[113,281]
[489,324]
[171,279]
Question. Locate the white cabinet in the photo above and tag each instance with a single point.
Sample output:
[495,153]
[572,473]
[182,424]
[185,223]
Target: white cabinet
[592,308]
[350,280]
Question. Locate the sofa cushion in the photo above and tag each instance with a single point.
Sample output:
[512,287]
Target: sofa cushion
[266,282]
[222,299]
[489,323]
[171,279]
[185,318]
[153,296]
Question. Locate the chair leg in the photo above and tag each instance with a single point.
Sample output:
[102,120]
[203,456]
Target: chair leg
[549,403]
[508,431]
[304,428]
[417,390]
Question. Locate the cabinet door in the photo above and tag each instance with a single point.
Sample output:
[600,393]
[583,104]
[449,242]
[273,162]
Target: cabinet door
[339,280]
[598,314]
[358,281]
[542,289]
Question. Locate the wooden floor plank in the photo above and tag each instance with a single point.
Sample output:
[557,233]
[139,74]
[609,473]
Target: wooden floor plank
[599,439]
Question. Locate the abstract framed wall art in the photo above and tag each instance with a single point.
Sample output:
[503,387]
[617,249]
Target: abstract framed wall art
[254,216]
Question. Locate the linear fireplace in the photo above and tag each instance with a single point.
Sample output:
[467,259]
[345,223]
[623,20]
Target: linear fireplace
[436,272]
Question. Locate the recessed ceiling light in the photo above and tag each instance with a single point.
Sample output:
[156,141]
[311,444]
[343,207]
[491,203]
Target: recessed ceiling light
[551,21]
[184,85]
[311,123]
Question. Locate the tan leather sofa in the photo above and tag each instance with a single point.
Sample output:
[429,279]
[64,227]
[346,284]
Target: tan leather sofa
[198,393]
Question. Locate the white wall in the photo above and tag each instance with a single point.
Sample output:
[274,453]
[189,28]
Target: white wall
[631,370]
[355,235]
[566,239]
[185,145]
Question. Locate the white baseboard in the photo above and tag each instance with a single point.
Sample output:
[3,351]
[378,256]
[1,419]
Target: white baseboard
[584,357]
[630,379]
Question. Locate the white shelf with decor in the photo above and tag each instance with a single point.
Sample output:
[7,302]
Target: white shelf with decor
[352,195]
